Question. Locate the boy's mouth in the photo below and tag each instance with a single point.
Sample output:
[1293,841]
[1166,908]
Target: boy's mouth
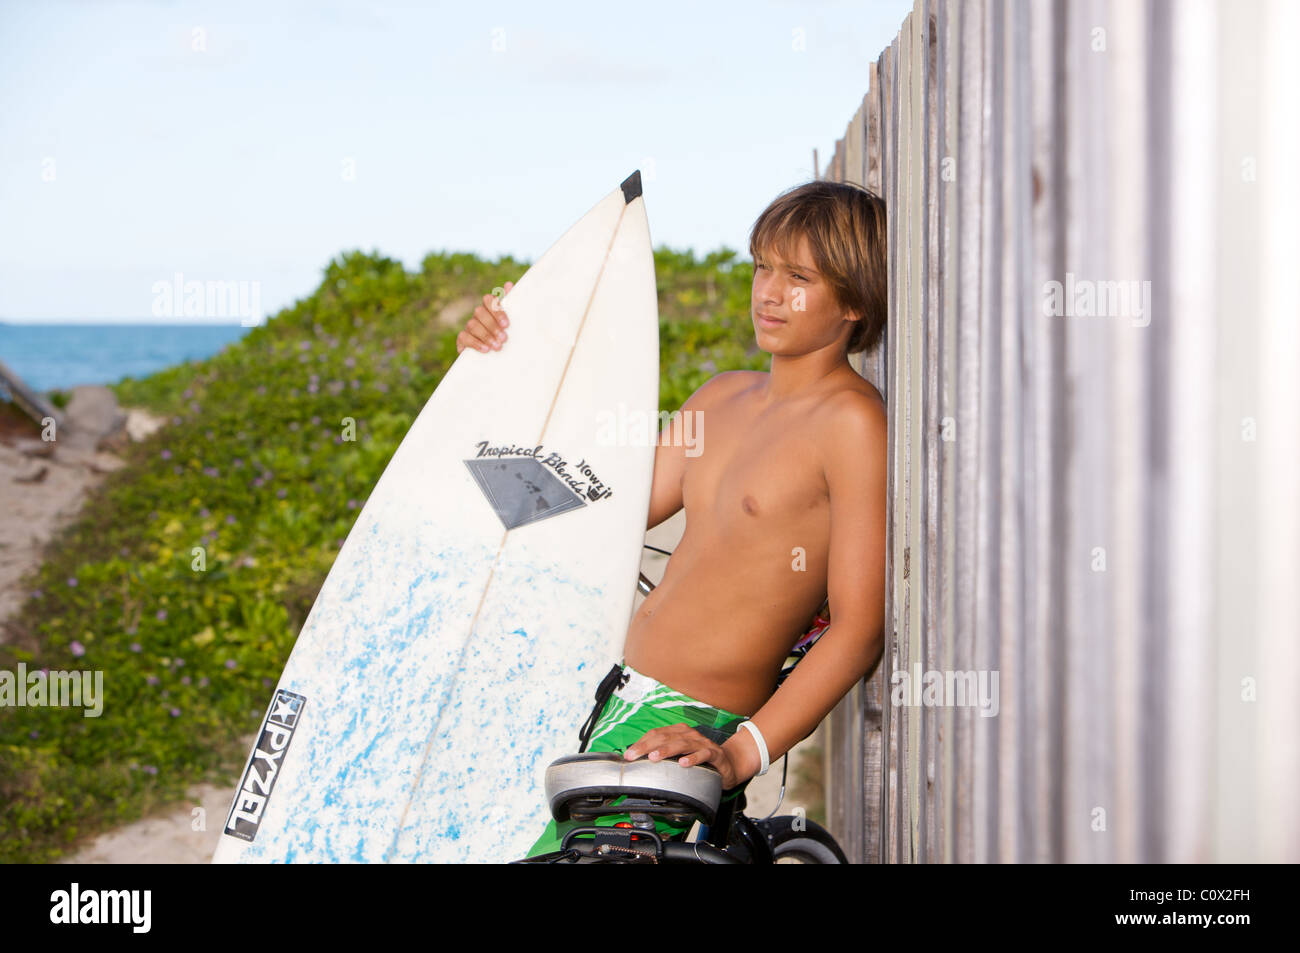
[767,321]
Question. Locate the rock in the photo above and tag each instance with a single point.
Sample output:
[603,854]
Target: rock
[31,447]
[92,417]
[140,424]
[34,477]
[96,461]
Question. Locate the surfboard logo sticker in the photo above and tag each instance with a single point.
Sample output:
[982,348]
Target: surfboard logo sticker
[264,766]
[524,485]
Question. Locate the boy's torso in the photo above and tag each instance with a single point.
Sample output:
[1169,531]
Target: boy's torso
[734,598]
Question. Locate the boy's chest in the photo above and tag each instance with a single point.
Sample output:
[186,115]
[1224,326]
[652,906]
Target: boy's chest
[754,469]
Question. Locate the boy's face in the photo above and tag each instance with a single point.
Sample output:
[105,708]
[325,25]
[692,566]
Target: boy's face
[794,293]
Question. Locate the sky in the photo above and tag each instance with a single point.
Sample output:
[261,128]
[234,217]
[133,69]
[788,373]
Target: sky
[253,142]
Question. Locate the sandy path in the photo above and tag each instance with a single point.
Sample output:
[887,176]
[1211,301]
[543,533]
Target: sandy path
[186,834]
[44,484]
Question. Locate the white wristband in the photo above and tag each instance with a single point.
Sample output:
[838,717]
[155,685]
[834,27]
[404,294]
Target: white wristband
[762,746]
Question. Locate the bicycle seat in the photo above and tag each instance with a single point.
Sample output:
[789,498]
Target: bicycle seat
[584,786]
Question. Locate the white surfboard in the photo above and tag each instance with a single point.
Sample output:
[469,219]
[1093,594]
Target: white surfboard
[485,589]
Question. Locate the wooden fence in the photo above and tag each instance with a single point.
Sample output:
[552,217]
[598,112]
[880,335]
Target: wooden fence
[1092,367]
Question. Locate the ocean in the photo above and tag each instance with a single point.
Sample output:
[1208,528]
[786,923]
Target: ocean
[59,356]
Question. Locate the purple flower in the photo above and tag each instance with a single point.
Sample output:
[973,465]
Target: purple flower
[212,471]
[135,647]
[304,345]
[151,680]
[211,435]
[149,769]
[282,493]
[237,463]
[72,581]
[160,614]
[203,682]
[203,513]
[77,649]
[177,470]
[230,663]
[350,362]
[185,680]
[267,683]
[33,733]
[166,454]
[293,425]
[257,481]
[180,663]
[315,421]
[194,406]
[261,391]
[176,421]
[189,392]
[37,593]
[356,385]
[175,712]
[352,504]
[230,520]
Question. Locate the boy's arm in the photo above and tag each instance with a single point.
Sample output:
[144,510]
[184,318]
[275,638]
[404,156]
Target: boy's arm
[855,467]
[670,467]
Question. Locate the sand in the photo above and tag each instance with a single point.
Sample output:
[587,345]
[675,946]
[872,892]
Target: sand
[44,482]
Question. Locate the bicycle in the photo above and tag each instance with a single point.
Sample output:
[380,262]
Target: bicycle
[587,787]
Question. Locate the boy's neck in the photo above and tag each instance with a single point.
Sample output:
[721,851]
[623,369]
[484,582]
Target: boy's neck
[795,376]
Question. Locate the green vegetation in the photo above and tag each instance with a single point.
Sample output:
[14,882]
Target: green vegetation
[254,477]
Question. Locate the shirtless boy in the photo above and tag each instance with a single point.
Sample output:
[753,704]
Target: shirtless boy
[785,508]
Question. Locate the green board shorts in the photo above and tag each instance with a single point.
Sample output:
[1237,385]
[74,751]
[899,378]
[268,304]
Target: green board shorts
[638,706]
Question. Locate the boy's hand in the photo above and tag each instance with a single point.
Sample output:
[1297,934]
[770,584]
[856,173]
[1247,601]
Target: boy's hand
[690,748]
[486,328]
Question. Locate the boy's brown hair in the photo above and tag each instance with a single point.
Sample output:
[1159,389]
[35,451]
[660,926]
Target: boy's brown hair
[846,229]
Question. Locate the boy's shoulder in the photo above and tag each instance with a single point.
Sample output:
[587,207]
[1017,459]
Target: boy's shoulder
[860,396]
[854,420]
[721,385]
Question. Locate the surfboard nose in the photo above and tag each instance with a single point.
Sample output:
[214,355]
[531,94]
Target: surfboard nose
[631,187]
